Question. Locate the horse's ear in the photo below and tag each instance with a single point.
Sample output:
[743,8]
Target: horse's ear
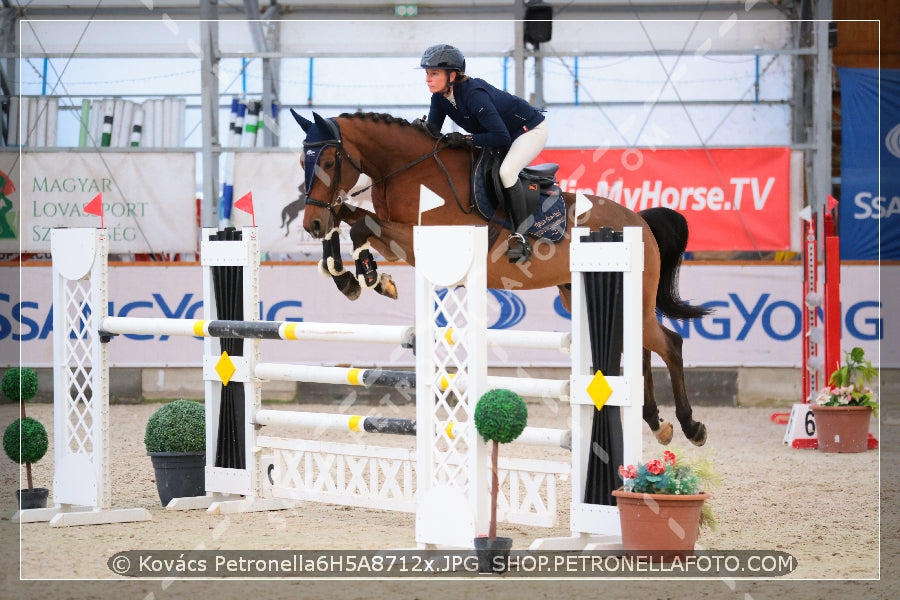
[304,123]
[329,126]
[322,123]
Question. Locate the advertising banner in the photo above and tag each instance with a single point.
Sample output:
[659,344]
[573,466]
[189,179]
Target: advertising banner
[149,199]
[870,164]
[734,199]
[9,202]
[757,318]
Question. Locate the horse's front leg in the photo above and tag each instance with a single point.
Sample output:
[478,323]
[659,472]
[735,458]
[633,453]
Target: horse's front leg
[332,265]
[367,274]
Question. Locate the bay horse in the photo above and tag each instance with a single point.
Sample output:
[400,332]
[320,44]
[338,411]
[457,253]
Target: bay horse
[400,157]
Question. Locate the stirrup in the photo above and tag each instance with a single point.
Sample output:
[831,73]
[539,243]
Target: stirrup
[518,248]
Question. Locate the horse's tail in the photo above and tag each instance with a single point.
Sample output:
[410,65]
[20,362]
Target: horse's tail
[670,229]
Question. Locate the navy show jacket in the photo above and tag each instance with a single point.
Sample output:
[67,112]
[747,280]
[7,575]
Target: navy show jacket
[494,117]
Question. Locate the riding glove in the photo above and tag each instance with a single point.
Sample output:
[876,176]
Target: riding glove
[455,139]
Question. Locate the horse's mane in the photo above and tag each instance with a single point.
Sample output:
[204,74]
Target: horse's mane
[417,125]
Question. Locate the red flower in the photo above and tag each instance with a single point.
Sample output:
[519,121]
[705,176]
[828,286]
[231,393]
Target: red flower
[628,472]
[656,466]
[669,457]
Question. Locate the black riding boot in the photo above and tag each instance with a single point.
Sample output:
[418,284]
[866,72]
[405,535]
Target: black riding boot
[519,248]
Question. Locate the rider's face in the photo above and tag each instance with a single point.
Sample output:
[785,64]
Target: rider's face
[436,80]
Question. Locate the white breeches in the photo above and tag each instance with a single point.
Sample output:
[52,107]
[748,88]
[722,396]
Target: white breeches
[524,149]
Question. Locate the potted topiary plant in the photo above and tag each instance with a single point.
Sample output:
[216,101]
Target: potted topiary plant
[25,439]
[500,417]
[175,439]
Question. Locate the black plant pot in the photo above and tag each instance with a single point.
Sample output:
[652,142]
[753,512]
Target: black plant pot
[179,474]
[493,554]
[36,498]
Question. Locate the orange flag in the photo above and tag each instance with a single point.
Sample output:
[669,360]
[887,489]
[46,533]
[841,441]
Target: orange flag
[95,207]
[245,203]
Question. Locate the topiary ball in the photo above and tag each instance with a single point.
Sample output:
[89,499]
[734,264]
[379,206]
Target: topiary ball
[25,441]
[19,384]
[178,426]
[500,416]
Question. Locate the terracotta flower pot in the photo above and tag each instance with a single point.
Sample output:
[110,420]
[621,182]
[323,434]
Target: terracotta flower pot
[661,526]
[842,428]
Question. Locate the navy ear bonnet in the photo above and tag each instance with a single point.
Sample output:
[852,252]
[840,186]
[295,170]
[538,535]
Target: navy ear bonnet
[320,134]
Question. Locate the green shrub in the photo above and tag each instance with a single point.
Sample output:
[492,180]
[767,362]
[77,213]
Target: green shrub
[178,426]
[19,384]
[500,416]
[25,441]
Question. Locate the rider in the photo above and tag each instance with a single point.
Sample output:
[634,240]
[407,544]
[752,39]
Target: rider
[494,118]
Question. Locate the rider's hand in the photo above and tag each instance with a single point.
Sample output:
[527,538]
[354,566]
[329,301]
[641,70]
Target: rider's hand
[455,139]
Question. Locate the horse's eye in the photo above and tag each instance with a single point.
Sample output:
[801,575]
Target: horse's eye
[329,164]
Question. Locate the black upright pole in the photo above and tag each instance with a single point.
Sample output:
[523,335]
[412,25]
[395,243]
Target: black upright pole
[228,286]
[604,310]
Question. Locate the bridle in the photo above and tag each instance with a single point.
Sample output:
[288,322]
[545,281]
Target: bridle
[336,202]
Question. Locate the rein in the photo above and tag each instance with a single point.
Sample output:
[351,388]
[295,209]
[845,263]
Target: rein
[336,202]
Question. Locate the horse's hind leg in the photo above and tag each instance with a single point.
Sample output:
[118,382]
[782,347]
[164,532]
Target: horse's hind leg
[661,429]
[695,431]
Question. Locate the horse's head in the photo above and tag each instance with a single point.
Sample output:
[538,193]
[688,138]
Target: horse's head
[326,181]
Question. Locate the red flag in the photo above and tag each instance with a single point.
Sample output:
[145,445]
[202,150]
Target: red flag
[95,207]
[245,203]
[832,202]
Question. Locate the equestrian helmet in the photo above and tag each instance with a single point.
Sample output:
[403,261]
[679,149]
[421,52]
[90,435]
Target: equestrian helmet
[443,56]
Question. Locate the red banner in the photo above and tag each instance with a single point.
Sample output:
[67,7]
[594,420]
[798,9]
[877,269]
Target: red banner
[734,199]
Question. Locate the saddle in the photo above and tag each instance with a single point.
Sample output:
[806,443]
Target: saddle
[543,196]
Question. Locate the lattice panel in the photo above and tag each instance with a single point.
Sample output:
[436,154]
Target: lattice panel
[337,473]
[452,403]
[528,491]
[77,361]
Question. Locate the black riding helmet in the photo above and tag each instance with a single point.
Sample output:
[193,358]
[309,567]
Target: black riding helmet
[443,56]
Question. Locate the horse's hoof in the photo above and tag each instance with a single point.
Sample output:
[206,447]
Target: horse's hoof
[387,287]
[664,433]
[700,437]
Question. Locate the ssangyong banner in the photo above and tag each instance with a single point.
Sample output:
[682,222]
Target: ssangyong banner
[149,199]
[734,199]
[757,319]
[870,164]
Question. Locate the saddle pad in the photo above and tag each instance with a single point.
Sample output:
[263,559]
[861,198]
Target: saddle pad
[551,220]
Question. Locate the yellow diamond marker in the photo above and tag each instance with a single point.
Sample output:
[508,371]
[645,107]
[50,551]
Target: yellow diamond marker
[225,368]
[599,390]
[448,336]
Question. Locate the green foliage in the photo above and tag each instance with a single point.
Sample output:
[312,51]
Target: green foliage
[25,441]
[19,384]
[500,416]
[849,385]
[178,426]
